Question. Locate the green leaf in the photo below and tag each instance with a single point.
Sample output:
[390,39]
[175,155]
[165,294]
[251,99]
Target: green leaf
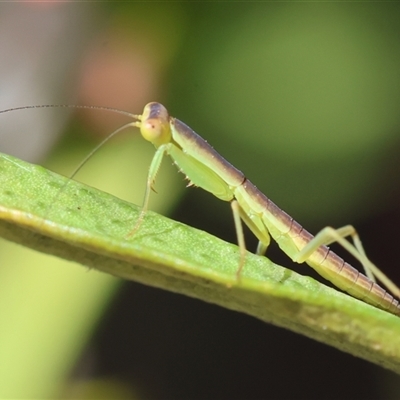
[48,213]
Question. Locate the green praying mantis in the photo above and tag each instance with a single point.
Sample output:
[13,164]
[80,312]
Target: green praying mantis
[207,169]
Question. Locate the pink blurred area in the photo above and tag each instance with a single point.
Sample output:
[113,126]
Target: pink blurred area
[68,53]
[116,73]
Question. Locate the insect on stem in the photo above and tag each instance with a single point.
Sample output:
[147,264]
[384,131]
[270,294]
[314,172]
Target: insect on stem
[207,169]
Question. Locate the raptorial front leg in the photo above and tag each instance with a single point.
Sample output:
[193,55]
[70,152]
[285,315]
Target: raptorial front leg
[151,178]
[331,235]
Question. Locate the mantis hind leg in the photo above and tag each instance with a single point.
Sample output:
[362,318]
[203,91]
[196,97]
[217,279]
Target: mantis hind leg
[330,235]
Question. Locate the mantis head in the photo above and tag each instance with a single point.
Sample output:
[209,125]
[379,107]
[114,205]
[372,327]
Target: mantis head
[155,125]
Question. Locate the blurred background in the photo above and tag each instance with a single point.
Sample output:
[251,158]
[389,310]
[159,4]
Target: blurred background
[302,97]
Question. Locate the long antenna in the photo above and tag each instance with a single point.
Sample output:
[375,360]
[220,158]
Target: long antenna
[116,110]
[86,159]
[135,123]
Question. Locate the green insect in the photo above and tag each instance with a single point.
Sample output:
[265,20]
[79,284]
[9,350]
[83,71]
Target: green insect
[207,169]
